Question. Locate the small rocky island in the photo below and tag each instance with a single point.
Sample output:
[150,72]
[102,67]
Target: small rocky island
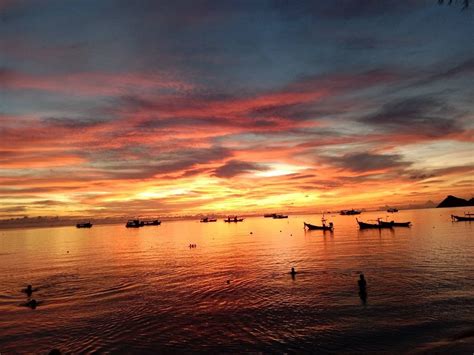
[453,201]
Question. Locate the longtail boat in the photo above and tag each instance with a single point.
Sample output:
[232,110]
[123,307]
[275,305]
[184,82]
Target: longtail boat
[231,219]
[350,212]
[466,217]
[207,220]
[155,222]
[363,225]
[324,227]
[394,224]
[134,223]
[279,216]
[84,225]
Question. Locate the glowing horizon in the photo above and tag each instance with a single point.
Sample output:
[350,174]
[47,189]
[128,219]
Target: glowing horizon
[171,109]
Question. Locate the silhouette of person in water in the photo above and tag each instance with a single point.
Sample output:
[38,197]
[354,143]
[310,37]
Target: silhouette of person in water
[28,290]
[32,304]
[293,273]
[362,288]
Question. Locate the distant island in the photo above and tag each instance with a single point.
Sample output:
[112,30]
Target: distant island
[453,201]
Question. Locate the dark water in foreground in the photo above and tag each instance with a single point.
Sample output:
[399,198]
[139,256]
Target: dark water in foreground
[111,289]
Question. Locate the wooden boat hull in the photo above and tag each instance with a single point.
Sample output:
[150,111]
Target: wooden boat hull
[314,227]
[151,223]
[363,225]
[349,212]
[462,218]
[395,224]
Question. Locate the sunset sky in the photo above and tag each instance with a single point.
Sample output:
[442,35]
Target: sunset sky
[182,107]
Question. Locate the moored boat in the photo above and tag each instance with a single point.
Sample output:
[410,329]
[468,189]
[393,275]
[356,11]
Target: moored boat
[269,215]
[324,227]
[84,225]
[392,210]
[133,223]
[465,218]
[230,219]
[394,224]
[279,216]
[350,212]
[208,219]
[155,222]
[363,225]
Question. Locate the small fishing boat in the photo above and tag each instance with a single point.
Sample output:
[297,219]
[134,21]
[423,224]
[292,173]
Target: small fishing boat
[392,210]
[279,216]
[466,217]
[269,215]
[155,222]
[134,223]
[311,227]
[324,226]
[363,225]
[84,225]
[231,219]
[350,212]
[208,219]
[394,224]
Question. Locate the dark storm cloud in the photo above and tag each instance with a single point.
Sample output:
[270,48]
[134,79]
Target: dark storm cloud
[235,167]
[427,116]
[365,162]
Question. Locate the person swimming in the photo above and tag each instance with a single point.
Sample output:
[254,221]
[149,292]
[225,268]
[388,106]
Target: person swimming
[32,304]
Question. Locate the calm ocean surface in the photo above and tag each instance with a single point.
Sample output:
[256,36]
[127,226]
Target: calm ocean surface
[112,289]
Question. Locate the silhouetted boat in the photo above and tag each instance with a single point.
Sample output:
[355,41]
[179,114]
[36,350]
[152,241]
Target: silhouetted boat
[329,227]
[392,210]
[279,216]
[269,215]
[207,220]
[84,225]
[350,212]
[394,224]
[155,222]
[133,223]
[363,225]
[233,219]
[466,217]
